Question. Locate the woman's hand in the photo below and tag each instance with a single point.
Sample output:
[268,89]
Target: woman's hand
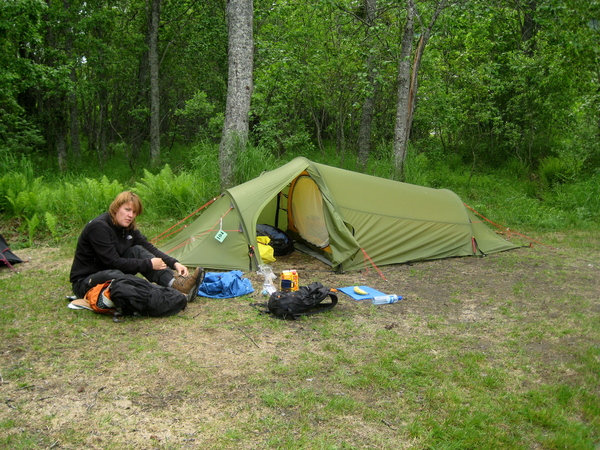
[158,264]
[181,269]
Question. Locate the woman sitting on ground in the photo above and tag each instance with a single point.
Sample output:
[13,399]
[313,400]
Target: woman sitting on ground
[110,245]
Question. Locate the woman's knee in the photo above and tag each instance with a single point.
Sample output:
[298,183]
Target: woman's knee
[138,252]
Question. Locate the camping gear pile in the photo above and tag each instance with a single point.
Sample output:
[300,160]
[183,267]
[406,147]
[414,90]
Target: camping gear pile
[268,276]
[289,280]
[305,301]
[225,285]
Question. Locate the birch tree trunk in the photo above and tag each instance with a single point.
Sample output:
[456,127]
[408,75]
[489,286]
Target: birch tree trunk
[366,120]
[408,81]
[154,87]
[239,87]
[401,131]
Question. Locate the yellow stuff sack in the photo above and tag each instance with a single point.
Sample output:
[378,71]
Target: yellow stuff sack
[266,251]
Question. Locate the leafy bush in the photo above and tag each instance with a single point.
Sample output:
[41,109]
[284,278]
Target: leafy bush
[581,200]
[252,162]
[52,224]
[281,137]
[18,134]
[195,118]
[509,196]
[516,169]
[166,195]
[63,205]
[203,159]
[14,187]
[77,202]
[556,170]
[17,177]
[417,169]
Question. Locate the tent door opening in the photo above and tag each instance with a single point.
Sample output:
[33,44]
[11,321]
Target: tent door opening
[305,212]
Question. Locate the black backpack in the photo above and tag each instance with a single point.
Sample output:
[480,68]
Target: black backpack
[305,301]
[282,244]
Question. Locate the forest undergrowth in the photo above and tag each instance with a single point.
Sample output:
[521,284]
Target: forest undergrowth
[38,204]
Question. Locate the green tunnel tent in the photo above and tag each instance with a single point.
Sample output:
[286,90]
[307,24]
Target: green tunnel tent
[341,215]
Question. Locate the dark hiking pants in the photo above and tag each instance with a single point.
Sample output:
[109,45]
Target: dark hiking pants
[160,277]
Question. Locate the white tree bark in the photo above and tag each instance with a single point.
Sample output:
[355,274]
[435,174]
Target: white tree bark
[239,86]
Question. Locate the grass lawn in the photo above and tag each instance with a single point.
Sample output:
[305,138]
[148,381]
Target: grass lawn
[482,353]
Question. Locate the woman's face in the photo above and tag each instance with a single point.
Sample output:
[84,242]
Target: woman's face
[125,215]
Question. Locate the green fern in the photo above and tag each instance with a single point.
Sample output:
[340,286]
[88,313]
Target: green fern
[52,224]
[32,225]
[168,195]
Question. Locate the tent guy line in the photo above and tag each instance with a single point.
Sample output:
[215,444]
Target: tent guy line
[164,234]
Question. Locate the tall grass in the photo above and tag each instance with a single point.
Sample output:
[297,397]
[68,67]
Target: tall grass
[43,205]
[253,162]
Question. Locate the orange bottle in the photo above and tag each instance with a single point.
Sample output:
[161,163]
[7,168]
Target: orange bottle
[289,280]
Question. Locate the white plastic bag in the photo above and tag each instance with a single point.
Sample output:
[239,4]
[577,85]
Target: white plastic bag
[268,286]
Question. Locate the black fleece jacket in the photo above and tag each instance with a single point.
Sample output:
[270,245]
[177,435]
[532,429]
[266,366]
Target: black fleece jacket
[102,244]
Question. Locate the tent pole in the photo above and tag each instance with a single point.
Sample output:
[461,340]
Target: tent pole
[277,210]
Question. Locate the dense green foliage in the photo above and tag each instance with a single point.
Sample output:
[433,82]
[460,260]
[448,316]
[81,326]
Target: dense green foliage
[508,106]
[498,80]
[48,207]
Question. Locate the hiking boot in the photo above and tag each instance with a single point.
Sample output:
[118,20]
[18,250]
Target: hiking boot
[199,279]
[189,285]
